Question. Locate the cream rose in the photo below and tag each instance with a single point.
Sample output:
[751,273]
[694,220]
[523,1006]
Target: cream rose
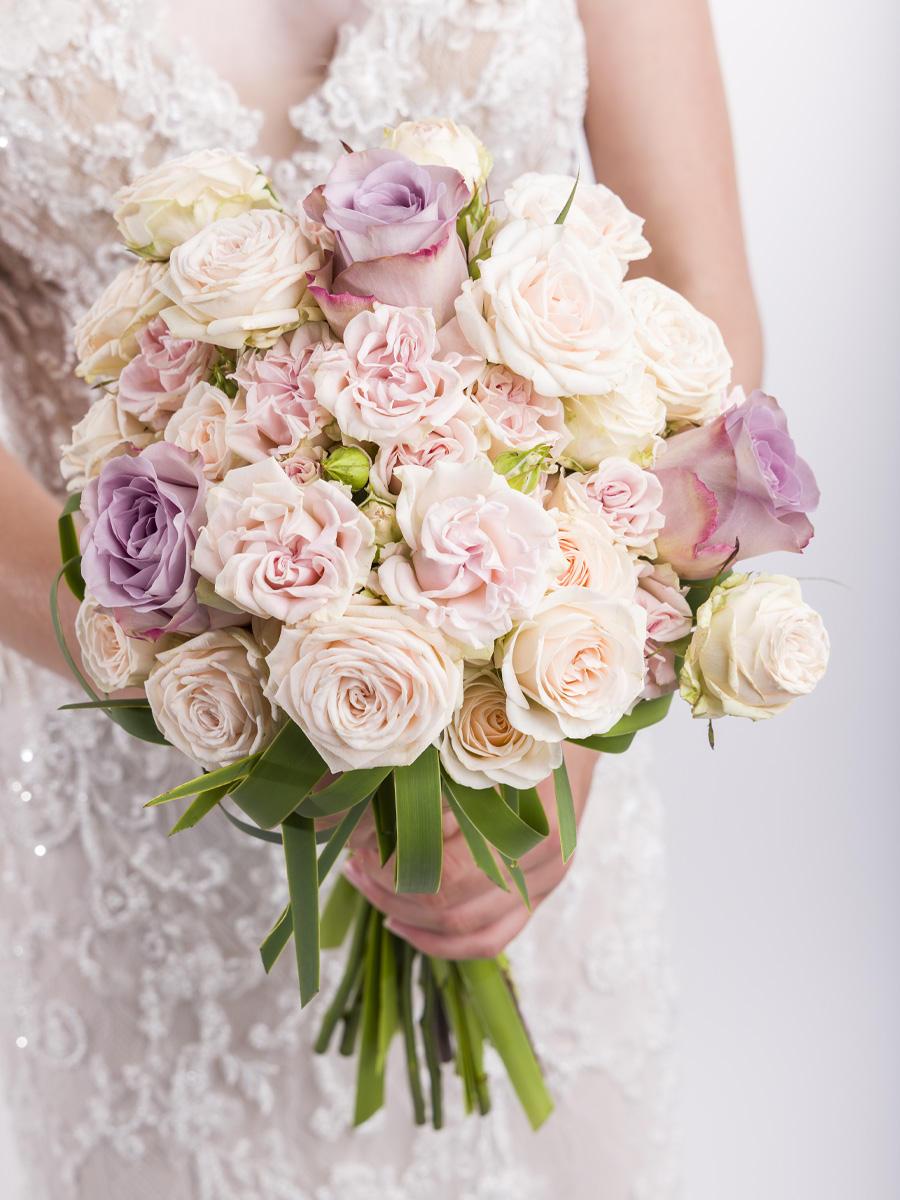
[576,666]
[372,688]
[106,336]
[481,748]
[682,349]
[111,658]
[279,550]
[480,554]
[619,493]
[200,425]
[594,559]
[104,432]
[597,215]
[756,648]
[624,423]
[168,205]
[550,311]
[441,142]
[241,281]
[207,696]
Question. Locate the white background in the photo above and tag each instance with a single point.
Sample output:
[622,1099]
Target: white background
[785,842]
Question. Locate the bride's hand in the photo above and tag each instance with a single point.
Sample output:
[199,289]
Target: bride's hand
[469,917]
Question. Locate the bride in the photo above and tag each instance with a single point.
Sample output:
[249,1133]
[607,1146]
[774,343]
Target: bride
[143,1051]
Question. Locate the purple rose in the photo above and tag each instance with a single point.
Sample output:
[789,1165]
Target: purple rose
[739,478]
[395,239]
[143,515]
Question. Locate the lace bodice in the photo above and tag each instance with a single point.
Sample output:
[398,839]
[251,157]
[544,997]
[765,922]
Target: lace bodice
[146,1052]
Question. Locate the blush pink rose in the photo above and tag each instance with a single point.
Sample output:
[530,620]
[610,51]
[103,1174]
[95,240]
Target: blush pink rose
[619,492]
[660,594]
[388,378]
[154,384]
[278,550]
[516,416]
[480,554]
[277,407]
[453,442]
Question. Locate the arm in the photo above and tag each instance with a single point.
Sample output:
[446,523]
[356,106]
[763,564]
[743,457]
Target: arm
[658,132]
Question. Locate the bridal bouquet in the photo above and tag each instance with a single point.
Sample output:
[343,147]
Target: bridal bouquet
[385,500]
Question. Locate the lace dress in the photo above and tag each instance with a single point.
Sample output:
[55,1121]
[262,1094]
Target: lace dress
[143,1051]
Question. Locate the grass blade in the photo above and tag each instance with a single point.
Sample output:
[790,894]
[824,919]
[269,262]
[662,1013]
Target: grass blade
[299,834]
[565,812]
[420,843]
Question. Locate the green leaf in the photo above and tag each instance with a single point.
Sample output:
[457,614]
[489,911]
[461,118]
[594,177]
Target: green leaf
[347,790]
[283,776]
[605,743]
[338,839]
[428,1023]
[420,843]
[565,812]
[369,1079]
[299,834]
[337,916]
[482,855]
[139,723]
[384,811]
[69,547]
[276,939]
[197,810]
[561,219]
[475,1034]
[353,971]
[254,831]
[644,714]
[491,994]
[510,834]
[203,783]
[388,1005]
[517,875]
[136,702]
[405,1001]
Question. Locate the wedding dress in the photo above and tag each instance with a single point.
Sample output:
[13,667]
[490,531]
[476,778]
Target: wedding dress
[144,1052]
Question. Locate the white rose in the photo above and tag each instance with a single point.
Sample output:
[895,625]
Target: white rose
[241,281]
[549,311]
[594,559]
[200,425]
[625,423]
[168,205]
[480,747]
[576,667]
[683,349]
[372,688]
[104,432]
[207,696]
[441,142]
[111,658]
[597,214]
[105,337]
[756,648]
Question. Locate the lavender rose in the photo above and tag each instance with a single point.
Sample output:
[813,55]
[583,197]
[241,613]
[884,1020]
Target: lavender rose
[395,240]
[143,515]
[738,478]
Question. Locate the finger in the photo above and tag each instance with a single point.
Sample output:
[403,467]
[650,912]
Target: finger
[365,836]
[485,943]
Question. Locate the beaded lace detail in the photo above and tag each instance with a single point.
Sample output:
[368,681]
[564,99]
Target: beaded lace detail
[146,1053]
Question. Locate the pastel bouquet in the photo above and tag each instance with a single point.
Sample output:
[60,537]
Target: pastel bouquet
[385,500]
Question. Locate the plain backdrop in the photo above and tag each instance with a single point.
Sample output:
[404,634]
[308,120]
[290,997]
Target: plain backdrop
[785,842]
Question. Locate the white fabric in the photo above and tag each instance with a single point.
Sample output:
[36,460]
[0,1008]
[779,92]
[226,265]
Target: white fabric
[145,1053]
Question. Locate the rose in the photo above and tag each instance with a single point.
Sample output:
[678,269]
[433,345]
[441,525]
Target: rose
[241,281]
[597,215]
[515,415]
[683,349]
[207,696]
[736,481]
[441,142]
[574,668]
[373,687]
[104,432]
[105,337]
[304,465]
[660,679]
[757,647]
[165,207]
[661,596]
[624,423]
[143,515]
[619,493]
[279,550]
[395,239]
[154,384]
[549,311]
[111,658]
[453,441]
[480,554]
[384,520]
[200,424]
[480,747]
[277,407]
[594,559]
[388,377]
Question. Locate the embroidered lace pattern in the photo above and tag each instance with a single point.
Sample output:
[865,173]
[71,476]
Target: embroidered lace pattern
[145,1052]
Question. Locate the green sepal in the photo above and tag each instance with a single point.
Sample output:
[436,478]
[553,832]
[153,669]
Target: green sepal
[198,808]
[299,834]
[510,834]
[283,776]
[69,547]
[276,939]
[203,783]
[420,842]
[482,854]
[565,812]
